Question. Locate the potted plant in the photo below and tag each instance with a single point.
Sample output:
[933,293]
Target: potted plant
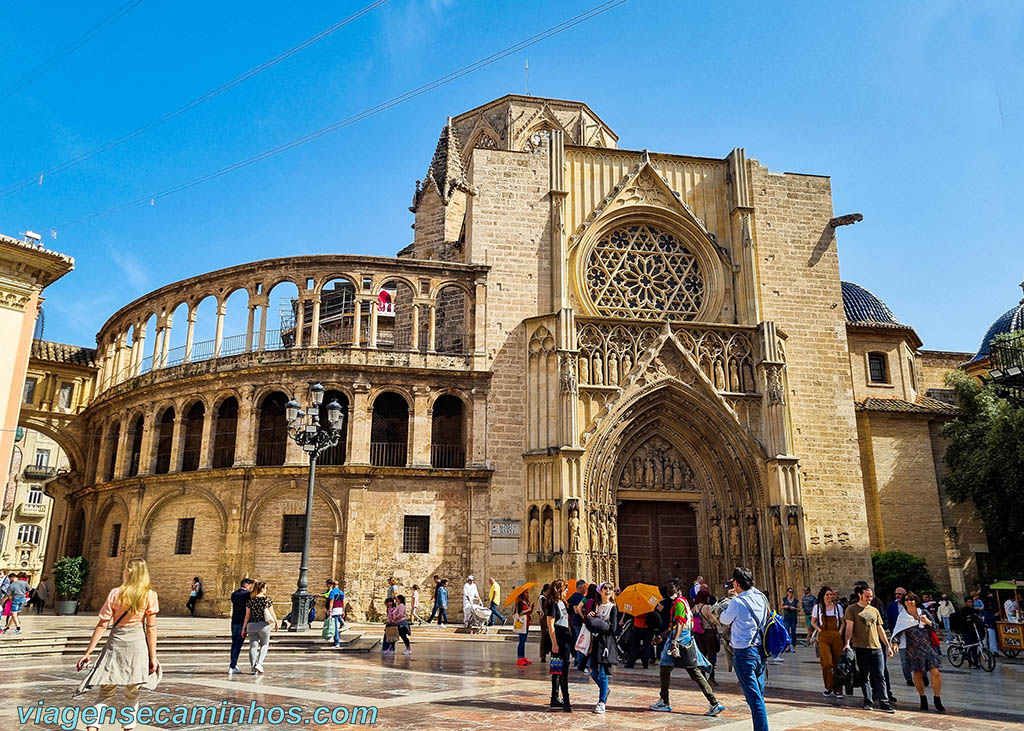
[69,576]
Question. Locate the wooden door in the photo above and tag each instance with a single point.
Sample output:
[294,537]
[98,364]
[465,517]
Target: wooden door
[657,541]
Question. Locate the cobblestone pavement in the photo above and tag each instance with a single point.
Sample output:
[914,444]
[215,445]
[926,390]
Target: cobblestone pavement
[450,684]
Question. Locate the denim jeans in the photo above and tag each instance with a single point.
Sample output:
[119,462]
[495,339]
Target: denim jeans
[601,678]
[433,612]
[236,642]
[337,629]
[750,671]
[871,664]
[442,615]
[789,622]
[495,614]
[945,624]
[521,649]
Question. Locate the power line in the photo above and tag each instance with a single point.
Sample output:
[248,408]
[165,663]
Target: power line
[27,182]
[394,101]
[47,64]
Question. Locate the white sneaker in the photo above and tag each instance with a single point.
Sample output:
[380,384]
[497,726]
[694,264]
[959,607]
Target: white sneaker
[776,660]
[443,626]
[661,706]
[599,708]
[234,671]
[259,669]
[408,652]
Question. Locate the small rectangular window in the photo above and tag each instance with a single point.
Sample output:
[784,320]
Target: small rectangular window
[29,393]
[183,543]
[293,533]
[35,497]
[42,458]
[416,534]
[115,540]
[876,368]
[67,392]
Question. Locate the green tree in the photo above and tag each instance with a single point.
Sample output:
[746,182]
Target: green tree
[899,568]
[985,457]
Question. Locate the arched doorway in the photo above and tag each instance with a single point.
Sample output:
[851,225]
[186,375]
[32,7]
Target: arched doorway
[675,489]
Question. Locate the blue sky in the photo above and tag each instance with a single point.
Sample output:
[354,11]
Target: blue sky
[914,109]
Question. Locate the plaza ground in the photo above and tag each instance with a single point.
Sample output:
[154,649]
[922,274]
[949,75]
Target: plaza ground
[455,682]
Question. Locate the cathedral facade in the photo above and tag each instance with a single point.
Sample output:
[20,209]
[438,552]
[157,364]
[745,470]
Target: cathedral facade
[590,362]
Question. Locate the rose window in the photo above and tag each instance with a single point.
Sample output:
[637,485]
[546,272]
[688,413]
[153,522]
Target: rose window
[641,272]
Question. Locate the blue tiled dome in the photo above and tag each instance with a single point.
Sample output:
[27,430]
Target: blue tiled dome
[864,308]
[1010,321]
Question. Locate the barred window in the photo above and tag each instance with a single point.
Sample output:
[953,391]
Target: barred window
[877,368]
[115,540]
[28,534]
[183,543]
[293,533]
[416,534]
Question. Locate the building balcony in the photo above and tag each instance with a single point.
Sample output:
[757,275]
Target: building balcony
[38,472]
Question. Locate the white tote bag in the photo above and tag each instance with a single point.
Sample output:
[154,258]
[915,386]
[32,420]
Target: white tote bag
[583,641]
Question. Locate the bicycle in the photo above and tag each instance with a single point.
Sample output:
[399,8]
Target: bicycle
[958,651]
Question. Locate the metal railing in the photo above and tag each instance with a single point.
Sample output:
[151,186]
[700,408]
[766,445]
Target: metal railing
[271,453]
[447,456]
[388,454]
[39,472]
[1007,366]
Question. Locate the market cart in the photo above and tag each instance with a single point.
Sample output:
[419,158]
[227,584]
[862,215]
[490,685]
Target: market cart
[1009,630]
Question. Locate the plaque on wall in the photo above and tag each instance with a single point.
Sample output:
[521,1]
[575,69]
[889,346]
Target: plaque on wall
[506,528]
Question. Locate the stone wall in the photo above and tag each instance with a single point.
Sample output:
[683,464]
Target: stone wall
[901,484]
[798,269]
[508,229]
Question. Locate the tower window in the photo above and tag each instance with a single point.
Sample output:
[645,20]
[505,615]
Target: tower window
[878,368]
[416,534]
[183,542]
[293,533]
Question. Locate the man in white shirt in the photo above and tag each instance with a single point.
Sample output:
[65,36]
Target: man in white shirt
[746,614]
[470,597]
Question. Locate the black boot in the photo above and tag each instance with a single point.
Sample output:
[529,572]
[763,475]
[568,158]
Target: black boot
[937,701]
[924,703]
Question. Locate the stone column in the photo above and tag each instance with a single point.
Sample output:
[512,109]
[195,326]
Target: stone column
[156,346]
[146,451]
[205,449]
[140,348]
[300,320]
[371,341]
[218,336]
[190,334]
[414,340]
[263,326]
[478,437]
[177,439]
[480,318]
[431,328]
[245,429]
[314,326]
[357,323]
[122,438]
[420,428]
[249,326]
[362,413]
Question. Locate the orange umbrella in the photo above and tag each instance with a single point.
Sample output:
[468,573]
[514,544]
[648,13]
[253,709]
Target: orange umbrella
[570,588]
[515,593]
[638,599]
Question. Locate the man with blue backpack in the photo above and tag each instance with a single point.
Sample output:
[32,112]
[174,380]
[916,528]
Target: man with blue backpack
[756,630]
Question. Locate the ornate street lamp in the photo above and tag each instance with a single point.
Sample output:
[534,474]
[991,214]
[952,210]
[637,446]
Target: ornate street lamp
[314,435]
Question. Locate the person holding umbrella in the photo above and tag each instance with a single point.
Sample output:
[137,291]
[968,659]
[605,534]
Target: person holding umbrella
[520,597]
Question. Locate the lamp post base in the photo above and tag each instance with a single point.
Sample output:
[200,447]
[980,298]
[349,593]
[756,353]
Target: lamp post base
[301,602]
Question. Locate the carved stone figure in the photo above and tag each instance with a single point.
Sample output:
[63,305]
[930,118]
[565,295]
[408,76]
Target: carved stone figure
[613,538]
[584,369]
[716,539]
[795,549]
[549,535]
[777,547]
[753,545]
[613,370]
[598,370]
[534,535]
[719,375]
[734,538]
[627,364]
[734,378]
[603,525]
[574,530]
[953,545]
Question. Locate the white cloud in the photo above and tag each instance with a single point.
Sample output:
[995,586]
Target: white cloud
[131,267]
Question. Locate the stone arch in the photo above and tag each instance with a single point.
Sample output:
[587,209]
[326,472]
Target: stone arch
[324,280]
[707,262]
[723,472]
[171,495]
[448,431]
[263,557]
[106,569]
[60,433]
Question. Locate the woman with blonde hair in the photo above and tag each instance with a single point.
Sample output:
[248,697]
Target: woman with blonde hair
[128,659]
[259,616]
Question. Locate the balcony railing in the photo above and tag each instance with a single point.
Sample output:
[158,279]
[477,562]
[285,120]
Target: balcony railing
[447,456]
[32,510]
[388,454]
[1007,366]
[270,454]
[39,472]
